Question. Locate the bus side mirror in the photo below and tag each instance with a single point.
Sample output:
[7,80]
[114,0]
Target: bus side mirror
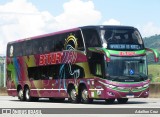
[107,55]
[156,55]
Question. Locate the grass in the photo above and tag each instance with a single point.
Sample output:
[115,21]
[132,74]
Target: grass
[3,92]
[154,72]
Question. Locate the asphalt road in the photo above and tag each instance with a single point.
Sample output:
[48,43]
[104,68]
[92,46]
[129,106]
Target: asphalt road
[13,102]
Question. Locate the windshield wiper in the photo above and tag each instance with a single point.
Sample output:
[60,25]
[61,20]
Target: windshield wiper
[139,76]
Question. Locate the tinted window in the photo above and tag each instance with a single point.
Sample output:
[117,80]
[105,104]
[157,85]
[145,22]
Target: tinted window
[59,42]
[46,44]
[52,72]
[13,50]
[119,38]
[73,40]
[91,38]
[44,72]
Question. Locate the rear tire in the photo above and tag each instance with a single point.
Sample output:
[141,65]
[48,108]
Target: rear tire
[73,95]
[20,95]
[28,96]
[84,96]
[122,100]
[110,101]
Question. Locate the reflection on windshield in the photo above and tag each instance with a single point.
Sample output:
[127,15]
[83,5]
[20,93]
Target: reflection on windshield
[122,38]
[127,68]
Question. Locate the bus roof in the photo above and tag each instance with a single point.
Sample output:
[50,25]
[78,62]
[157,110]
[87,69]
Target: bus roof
[69,30]
[107,26]
[44,35]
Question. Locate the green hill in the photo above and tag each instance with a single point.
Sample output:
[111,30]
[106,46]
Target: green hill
[153,68]
[152,42]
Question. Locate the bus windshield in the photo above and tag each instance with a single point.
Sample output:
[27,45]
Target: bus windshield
[122,38]
[127,69]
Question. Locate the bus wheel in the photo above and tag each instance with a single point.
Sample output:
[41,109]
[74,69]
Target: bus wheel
[110,101]
[27,94]
[84,96]
[20,95]
[28,97]
[122,100]
[72,95]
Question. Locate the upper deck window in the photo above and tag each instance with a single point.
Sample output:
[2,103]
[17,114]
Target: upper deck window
[91,38]
[122,38]
[47,44]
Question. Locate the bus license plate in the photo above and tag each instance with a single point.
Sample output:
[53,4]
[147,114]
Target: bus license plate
[130,96]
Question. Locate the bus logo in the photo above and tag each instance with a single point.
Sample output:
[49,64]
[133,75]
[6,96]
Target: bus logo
[127,53]
[51,58]
[131,72]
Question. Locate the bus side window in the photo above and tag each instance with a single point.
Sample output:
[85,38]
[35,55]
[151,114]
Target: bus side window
[40,47]
[24,48]
[50,42]
[29,48]
[59,42]
[52,45]
[35,46]
[91,38]
[45,46]
[18,49]
[80,43]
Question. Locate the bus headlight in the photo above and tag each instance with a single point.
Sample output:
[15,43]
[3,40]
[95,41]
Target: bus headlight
[107,85]
[121,88]
[139,87]
[111,86]
[146,85]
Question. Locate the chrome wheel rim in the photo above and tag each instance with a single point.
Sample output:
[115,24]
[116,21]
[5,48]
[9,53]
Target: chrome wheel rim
[73,94]
[85,94]
[20,94]
[27,94]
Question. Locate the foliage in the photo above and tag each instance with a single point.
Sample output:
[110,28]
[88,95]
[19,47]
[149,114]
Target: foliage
[154,72]
[152,42]
[153,69]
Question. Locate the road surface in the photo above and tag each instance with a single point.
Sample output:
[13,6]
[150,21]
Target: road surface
[13,102]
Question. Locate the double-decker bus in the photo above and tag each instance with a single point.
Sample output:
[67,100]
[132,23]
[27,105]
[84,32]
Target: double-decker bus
[81,64]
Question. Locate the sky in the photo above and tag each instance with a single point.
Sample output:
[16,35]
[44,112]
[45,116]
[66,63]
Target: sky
[26,18]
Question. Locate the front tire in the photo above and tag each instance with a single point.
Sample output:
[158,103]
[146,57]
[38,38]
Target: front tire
[73,95]
[122,100]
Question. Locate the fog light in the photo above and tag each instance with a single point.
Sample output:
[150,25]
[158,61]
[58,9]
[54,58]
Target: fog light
[146,93]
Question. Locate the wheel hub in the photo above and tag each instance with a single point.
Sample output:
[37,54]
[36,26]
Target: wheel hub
[20,94]
[85,94]
[73,94]
[27,94]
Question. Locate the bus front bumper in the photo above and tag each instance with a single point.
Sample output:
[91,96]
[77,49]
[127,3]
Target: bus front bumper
[113,93]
